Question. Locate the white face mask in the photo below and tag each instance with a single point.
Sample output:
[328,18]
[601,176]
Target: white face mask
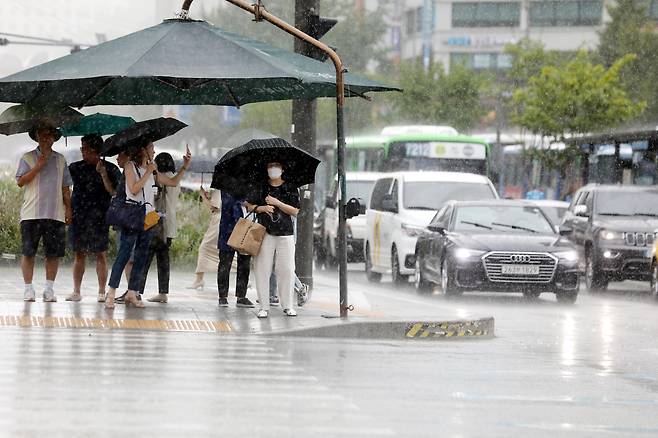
[274,172]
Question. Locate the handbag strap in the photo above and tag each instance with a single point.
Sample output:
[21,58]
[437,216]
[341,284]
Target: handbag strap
[139,175]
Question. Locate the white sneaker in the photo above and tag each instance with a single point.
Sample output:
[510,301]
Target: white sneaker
[262,313]
[74,297]
[289,312]
[49,296]
[29,295]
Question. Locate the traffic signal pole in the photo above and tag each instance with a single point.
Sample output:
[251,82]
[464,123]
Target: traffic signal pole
[261,14]
[304,115]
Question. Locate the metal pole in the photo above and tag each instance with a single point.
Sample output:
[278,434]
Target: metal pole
[304,120]
[262,14]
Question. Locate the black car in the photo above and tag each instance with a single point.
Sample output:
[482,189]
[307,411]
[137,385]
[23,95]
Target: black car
[496,246]
[614,228]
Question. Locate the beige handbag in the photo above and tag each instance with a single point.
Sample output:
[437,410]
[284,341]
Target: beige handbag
[247,236]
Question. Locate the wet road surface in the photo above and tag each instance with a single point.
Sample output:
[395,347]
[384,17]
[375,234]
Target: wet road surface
[583,370]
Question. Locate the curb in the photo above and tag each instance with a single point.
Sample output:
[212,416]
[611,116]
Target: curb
[482,328]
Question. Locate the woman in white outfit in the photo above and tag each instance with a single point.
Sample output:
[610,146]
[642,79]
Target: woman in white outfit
[276,203]
[208,257]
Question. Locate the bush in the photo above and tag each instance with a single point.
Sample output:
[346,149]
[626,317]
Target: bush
[11,200]
[193,218]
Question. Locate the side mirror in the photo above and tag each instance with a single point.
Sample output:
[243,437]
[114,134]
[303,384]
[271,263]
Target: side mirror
[329,202]
[354,207]
[389,205]
[564,231]
[581,210]
[436,229]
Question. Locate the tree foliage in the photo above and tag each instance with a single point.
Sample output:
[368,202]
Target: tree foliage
[435,97]
[630,31]
[581,97]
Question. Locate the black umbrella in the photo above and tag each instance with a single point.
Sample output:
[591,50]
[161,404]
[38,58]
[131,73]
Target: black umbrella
[141,133]
[245,168]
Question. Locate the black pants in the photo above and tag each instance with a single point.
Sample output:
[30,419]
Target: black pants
[160,250]
[224,269]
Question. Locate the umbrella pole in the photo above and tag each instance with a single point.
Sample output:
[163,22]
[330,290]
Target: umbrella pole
[261,14]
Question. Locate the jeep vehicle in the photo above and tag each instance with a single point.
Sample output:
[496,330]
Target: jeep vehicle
[614,228]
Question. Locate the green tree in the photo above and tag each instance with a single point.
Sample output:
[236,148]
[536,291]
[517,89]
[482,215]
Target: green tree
[578,98]
[630,31]
[436,97]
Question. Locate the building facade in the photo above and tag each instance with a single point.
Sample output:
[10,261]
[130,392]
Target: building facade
[475,33]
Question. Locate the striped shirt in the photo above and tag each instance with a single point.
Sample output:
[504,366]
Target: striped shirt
[42,197]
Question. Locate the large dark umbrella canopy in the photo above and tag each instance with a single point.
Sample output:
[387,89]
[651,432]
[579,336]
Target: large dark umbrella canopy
[245,168]
[22,118]
[179,62]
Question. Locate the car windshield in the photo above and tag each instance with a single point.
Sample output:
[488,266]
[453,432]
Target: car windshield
[431,195]
[360,189]
[502,218]
[555,214]
[627,204]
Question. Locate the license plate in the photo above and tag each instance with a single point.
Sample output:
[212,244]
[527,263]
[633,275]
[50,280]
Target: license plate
[520,269]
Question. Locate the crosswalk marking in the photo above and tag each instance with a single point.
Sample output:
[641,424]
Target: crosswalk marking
[179,325]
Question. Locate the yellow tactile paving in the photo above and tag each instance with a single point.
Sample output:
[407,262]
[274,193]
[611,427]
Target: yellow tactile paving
[129,324]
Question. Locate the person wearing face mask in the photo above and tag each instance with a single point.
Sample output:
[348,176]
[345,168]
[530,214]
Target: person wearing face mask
[276,203]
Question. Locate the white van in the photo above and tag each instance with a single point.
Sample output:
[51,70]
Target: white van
[402,204]
[359,185]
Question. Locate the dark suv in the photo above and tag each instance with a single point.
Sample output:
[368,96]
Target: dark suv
[614,228]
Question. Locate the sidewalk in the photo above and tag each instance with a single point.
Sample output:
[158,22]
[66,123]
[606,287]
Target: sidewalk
[188,310]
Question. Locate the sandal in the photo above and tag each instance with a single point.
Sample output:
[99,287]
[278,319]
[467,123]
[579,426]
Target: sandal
[109,300]
[131,299]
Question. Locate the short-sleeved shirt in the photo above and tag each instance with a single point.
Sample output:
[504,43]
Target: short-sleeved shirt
[280,223]
[89,196]
[42,197]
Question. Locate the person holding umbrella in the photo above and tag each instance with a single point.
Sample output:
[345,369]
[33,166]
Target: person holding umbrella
[94,183]
[276,203]
[45,179]
[140,176]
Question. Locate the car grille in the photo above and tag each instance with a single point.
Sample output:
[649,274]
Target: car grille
[494,261]
[639,239]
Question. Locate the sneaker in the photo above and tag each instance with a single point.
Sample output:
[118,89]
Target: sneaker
[262,313]
[289,312]
[223,302]
[244,302]
[303,295]
[49,296]
[101,297]
[74,297]
[29,295]
[274,301]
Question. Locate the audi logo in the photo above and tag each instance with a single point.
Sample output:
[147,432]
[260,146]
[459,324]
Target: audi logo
[520,258]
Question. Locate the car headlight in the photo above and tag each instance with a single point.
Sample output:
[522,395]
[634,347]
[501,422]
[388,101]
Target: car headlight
[412,230]
[611,235]
[569,256]
[465,253]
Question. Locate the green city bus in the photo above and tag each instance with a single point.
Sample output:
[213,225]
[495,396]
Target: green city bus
[417,151]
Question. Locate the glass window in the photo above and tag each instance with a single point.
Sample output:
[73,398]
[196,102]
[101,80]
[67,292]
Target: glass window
[486,14]
[622,203]
[394,193]
[566,13]
[432,195]
[482,60]
[653,9]
[410,22]
[378,192]
[504,61]
[505,218]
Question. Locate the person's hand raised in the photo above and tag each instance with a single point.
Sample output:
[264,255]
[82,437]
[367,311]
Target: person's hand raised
[151,167]
[187,157]
[100,168]
[41,161]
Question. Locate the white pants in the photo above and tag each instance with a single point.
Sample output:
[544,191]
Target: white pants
[280,251]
